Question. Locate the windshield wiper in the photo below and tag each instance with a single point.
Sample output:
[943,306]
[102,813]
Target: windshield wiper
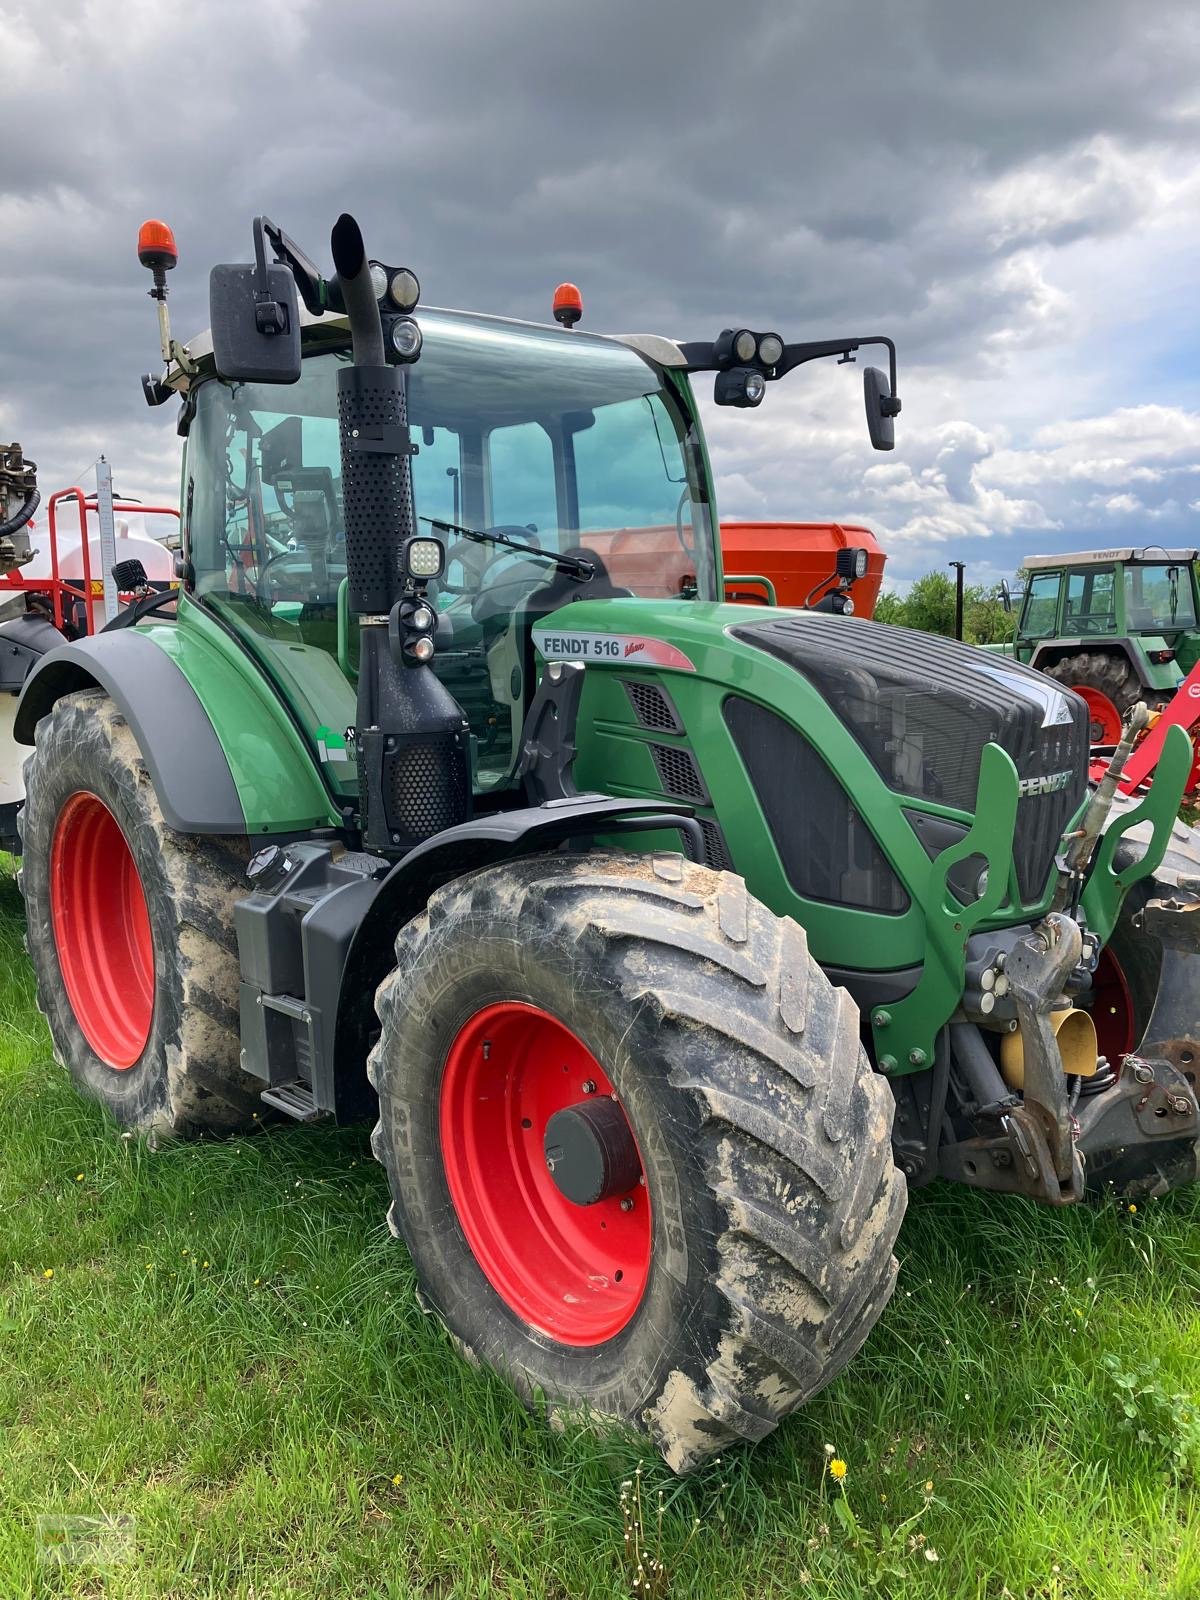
[577,566]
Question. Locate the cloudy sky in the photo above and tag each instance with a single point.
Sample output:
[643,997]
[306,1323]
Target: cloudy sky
[1012,191]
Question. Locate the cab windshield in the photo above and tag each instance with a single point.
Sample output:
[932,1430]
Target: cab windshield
[568,443]
[1158,598]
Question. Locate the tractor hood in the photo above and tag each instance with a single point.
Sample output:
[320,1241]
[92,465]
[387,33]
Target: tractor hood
[923,709]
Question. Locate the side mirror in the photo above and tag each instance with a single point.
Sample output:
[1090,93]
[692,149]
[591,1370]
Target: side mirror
[1005,595]
[882,407]
[255,316]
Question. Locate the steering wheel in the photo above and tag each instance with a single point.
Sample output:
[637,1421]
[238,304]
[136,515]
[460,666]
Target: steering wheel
[293,570]
[478,561]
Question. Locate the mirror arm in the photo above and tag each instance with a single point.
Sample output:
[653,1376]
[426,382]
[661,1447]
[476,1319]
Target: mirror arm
[699,356]
[795,355]
[316,291]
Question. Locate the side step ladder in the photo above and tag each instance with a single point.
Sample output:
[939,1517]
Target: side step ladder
[294,1100]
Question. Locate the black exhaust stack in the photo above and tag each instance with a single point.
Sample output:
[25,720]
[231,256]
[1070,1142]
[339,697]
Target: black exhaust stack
[412,738]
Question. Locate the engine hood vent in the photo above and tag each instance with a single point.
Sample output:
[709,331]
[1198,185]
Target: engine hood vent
[923,708]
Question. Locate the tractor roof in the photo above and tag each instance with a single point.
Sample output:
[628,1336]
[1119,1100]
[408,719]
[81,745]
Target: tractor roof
[1096,558]
[663,352]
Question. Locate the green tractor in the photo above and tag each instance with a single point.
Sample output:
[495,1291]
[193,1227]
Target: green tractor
[666,942]
[1117,626]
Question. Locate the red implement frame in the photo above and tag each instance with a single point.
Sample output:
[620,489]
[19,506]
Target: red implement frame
[1182,711]
[55,585]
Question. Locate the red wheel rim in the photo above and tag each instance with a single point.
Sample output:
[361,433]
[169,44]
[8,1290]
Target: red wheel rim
[101,930]
[1103,716]
[575,1272]
[1112,1008]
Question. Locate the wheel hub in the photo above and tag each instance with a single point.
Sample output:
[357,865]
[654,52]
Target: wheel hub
[102,930]
[590,1152]
[541,1181]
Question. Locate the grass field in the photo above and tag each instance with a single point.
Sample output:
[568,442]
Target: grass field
[221,1343]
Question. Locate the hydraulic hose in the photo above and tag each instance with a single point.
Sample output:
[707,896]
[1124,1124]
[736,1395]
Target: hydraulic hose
[358,293]
[22,517]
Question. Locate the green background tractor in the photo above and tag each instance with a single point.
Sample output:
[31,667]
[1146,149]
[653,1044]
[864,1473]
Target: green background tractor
[385,821]
[1117,626]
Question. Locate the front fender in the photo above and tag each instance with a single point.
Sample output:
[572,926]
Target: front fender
[221,751]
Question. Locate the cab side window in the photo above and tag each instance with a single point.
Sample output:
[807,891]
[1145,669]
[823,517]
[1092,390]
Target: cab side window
[1091,602]
[1038,619]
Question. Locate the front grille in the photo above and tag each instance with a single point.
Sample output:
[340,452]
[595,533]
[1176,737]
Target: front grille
[827,850]
[923,708]
[678,773]
[653,707]
[716,851]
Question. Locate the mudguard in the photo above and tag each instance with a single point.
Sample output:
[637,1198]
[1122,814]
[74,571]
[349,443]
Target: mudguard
[1163,676]
[183,755]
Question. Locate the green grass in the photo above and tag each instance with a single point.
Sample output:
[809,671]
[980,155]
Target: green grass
[229,1352]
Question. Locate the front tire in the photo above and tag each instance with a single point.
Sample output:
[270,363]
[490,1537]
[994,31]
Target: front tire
[130,931]
[742,1250]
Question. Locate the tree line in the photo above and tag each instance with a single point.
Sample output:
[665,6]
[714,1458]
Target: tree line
[929,606]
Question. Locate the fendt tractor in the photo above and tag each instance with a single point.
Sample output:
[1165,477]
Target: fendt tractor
[666,941]
[1117,626]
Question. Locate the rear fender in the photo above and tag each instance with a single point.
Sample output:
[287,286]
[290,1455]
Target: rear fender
[1164,676]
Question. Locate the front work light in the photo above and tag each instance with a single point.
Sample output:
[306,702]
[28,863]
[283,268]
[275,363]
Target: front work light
[404,290]
[851,563]
[741,386]
[770,349]
[424,558]
[379,280]
[745,346]
[406,338]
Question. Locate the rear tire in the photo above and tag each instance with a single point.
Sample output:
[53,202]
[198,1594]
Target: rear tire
[1109,684]
[762,1133]
[159,1039]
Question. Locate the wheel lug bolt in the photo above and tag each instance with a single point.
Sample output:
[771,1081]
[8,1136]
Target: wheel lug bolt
[589,1086]
[627,1203]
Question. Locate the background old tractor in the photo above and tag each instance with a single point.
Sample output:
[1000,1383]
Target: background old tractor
[1117,626]
[385,822]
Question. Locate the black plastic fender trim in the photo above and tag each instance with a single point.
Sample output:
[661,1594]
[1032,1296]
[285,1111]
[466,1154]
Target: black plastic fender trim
[183,755]
[483,842]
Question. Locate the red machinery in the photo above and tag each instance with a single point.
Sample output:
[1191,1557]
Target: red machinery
[66,580]
[1182,710]
[801,563]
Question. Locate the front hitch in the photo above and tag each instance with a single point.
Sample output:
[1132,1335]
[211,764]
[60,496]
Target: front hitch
[1037,969]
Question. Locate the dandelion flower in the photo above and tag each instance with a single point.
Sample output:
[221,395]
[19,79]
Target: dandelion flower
[398,1478]
[79,1177]
[1132,1209]
[49,1272]
[928,1485]
[837,1469]
[930,1553]
[829,1450]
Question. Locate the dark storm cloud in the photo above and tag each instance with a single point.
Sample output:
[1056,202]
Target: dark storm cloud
[688,162]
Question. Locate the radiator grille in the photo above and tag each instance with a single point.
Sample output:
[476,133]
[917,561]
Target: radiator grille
[827,850]
[923,708]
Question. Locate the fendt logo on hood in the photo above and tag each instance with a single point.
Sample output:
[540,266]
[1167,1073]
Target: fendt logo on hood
[1051,783]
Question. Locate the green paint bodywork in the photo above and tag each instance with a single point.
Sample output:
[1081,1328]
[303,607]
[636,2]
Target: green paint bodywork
[1106,887]
[932,933]
[278,785]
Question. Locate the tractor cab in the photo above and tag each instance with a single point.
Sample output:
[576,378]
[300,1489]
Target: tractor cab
[553,468]
[1117,626]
